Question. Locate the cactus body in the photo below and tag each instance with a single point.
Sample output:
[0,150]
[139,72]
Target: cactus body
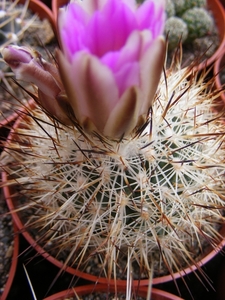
[148,199]
[199,22]
[177,31]
[182,5]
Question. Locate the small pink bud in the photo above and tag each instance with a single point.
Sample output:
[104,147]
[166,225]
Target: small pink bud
[29,66]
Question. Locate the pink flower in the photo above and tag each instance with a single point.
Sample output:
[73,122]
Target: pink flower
[111,61]
[109,67]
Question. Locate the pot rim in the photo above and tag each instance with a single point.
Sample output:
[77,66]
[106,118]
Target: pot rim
[83,290]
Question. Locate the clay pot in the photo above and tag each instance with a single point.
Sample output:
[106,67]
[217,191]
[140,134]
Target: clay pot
[219,16]
[90,289]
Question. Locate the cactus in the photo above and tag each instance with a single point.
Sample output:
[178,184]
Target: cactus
[149,198]
[177,31]
[170,8]
[199,22]
[125,172]
[191,21]
[182,5]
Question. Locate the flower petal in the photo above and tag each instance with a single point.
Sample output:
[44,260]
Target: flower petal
[91,6]
[127,76]
[124,116]
[72,24]
[151,70]
[132,4]
[151,16]
[29,66]
[125,63]
[122,23]
[90,86]
[53,108]
[132,51]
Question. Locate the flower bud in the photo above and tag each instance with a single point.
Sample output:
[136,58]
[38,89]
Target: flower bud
[29,66]
[111,61]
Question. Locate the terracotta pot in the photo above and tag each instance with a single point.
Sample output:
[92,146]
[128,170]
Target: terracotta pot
[43,12]
[218,13]
[13,267]
[219,16]
[41,9]
[90,289]
[11,202]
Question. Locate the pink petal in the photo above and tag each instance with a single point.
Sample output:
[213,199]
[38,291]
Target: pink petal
[51,105]
[151,70]
[91,6]
[151,15]
[124,116]
[110,35]
[90,86]
[16,55]
[125,63]
[135,47]
[126,73]
[72,24]
[132,4]
[128,76]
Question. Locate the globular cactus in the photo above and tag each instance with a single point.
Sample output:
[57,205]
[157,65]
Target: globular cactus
[177,31]
[178,6]
[199,22]
[170,8]
[147,199]
[126,173]
[182,5]
[191,21]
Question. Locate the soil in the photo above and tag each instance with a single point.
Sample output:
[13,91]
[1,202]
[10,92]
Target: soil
[6,243]
[222,75]
[104,296]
